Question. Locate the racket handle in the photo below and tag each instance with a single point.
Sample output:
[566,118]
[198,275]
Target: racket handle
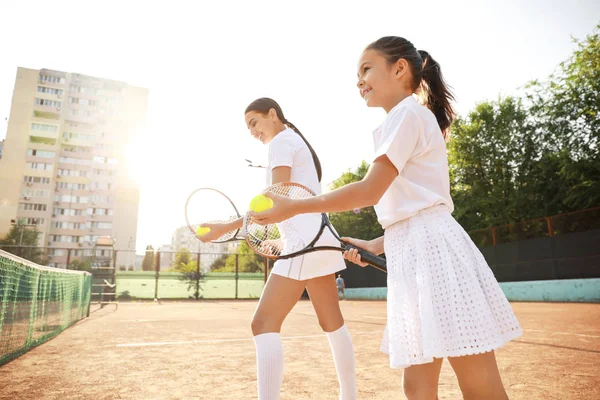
[370,258]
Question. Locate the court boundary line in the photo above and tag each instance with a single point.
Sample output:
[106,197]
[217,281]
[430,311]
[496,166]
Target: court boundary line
[150,344]
[562,333]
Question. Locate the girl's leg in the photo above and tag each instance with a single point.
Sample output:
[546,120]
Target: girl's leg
[478,376]
[420,382]
[278,298]
[324,296]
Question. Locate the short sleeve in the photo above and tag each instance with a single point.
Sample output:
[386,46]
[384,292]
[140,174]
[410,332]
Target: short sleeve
[400,134]
[281,151]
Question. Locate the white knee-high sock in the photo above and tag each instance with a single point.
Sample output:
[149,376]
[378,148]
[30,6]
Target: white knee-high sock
[269,365]
[343,356]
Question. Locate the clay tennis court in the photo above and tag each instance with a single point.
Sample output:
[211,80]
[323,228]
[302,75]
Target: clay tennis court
[204,350]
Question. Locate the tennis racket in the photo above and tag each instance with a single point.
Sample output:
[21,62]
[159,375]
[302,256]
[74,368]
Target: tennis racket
[302,234]
[210,206]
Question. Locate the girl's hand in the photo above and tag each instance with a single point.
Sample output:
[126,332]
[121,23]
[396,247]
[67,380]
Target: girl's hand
[216,231]
[283,208]
[352,254]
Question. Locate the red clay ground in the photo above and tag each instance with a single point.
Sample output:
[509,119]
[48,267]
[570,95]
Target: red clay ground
[205,350]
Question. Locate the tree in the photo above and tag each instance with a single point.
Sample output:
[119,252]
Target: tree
[524,158]
[149,262]
[567,109]
[248,261]
[80,265]
[361,223]
[22,240]
[490,157]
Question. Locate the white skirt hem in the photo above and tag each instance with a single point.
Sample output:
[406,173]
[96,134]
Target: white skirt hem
[454,353]
[443,299]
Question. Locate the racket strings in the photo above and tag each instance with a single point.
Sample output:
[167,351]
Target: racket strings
[210,206]
[274,240]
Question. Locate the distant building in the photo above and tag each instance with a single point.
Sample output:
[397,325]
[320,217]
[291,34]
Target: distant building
[63,164]
[209,252]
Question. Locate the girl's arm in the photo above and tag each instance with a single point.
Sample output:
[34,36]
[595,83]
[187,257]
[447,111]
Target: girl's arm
[365,193]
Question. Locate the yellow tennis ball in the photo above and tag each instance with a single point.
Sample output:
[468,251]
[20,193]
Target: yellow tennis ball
[260,203]
[202,230]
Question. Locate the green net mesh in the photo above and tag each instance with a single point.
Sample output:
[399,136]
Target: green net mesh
[37,303]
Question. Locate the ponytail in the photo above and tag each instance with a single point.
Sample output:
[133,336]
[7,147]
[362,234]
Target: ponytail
[435,94]
[312,151]
[427,79]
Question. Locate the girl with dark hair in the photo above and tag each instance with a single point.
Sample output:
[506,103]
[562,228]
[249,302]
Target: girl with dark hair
[292,158]
[443,299]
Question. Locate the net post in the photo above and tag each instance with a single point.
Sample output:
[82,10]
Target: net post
[88,294]
[237,269]
[197,294]
[156,276]
[32,312]
[68,258]
[549,223]
[494,239]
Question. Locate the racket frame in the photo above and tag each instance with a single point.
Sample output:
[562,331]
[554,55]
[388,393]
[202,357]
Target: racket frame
[237,213]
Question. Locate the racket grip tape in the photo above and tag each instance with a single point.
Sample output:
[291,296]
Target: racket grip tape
[370,258]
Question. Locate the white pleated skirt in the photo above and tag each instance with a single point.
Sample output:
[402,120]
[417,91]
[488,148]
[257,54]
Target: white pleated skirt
[443,299]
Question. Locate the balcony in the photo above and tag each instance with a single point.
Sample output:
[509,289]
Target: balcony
[44,114]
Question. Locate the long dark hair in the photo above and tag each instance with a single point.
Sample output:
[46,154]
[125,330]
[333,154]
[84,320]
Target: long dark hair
[264,105]
[428,81]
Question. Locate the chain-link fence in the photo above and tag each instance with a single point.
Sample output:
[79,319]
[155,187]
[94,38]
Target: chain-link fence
[123,275]
[578,221]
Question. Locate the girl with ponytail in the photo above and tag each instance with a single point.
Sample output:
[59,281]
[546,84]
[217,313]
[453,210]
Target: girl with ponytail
[292,158]
[443,300]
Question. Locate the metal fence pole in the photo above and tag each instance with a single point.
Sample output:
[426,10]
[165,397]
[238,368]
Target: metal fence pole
[156,276]
[68,258]
[237,268]
[114,273]
[197,294]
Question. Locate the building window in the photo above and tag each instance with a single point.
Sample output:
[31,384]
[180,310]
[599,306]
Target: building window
[43,127]
[71,199]
[34,221]
[52,79]
[71,172]
[48,103]
[35,179]
[78,161]
[40,153]
[43,89]
[32,207]
[34,193]
[79,136]
[41,166]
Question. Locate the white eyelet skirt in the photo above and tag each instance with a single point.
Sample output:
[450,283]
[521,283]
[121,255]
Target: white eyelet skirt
[443,299]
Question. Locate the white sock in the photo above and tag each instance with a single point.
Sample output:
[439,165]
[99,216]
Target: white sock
[269,365]
[343,356]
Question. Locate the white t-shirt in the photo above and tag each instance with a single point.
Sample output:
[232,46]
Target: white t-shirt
[412,140]
[287,149]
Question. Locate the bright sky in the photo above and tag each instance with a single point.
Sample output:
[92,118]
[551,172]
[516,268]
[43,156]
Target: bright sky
[203,62]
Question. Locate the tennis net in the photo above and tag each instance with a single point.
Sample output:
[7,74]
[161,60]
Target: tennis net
[37,303]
